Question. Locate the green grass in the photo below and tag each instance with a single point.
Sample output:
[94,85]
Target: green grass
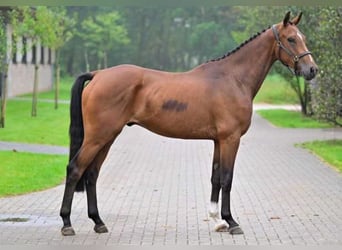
[21,173]
[329,151]
[49,127]
[275,90]
[291,119]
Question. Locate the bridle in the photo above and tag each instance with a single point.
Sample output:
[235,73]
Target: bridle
[295,57]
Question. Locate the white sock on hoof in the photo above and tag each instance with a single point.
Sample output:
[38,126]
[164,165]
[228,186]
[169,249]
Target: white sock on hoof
[213,210]
[221,226]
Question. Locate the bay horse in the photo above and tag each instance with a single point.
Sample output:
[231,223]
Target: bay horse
[212,101]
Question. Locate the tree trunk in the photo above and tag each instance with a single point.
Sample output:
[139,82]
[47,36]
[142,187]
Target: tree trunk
[302,94]
[4,97]
[35,91]
[57,80]
[105,59]
[86,61]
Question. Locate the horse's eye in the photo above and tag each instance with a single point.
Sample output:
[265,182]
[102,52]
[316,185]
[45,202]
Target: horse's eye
[291,40]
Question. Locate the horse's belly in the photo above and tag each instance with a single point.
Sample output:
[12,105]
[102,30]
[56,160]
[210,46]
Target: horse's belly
[180,127]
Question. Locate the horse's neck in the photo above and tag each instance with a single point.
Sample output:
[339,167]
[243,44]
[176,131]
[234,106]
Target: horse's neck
[249,65]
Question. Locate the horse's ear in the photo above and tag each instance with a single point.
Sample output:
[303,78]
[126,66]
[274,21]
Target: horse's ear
[296,20]
[286,18]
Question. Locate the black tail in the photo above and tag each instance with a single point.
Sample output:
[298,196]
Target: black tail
[76,131]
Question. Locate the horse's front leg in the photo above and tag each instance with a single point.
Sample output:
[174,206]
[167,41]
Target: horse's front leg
[228,151]
[75,170]
[220,225]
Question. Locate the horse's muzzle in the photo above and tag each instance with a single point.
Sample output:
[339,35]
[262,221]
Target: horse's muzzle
[308,72]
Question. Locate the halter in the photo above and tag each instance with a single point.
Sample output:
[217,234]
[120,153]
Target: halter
[295,58]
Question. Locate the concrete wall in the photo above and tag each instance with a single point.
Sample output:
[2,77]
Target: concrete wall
[21,72]
[21,78]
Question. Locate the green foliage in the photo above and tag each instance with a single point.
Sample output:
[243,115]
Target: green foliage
[327,88]
[3,44]
[291,119]
[25,172]
[159,37]
[208,40]
[61,27]
[32,23]
[100,33]
[329,151]
[256,18]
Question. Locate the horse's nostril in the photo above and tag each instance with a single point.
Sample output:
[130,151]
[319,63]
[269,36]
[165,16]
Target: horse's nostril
[313,70]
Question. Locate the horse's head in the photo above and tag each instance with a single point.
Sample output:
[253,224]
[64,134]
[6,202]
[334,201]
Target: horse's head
[291,49]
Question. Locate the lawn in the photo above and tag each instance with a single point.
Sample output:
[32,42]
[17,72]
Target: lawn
[275,90]
[291,119]
[26,172]
[49,127]
[330,151]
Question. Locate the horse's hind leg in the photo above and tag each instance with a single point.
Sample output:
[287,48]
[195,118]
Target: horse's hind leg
[75,170]
[70,186]
[91,176]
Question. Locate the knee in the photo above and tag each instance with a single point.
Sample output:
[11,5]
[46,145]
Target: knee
[215,178]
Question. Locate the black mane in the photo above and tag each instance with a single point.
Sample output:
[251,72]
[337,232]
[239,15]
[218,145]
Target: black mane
[240,46]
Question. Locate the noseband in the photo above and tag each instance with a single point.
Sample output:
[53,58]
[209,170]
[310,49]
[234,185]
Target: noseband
[295,58]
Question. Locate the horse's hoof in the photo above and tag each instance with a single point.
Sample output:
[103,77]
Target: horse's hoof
[68,231]
[221,226]
[235,230]
[100,229]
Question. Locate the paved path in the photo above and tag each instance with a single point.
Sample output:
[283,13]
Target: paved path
[33,148]
[155,191]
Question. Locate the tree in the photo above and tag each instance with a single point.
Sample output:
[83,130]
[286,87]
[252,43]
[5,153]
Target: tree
[327,40]
[160,38]
[100,33]
[33,24]
[61,31]
[208,40]
[3,70]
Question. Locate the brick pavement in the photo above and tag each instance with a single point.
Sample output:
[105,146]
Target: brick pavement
[155,191]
